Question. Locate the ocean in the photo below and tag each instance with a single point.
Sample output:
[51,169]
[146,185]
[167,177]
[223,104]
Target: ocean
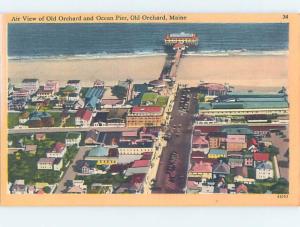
[56,41]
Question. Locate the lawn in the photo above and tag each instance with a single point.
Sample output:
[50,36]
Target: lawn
[149,98]
[162,101]
[13,119]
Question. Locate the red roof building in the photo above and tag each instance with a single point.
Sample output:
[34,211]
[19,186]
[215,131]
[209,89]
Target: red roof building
[84,114]
[83,117]
[259,156]
[242,189]
[147,109]
[140,163]
[202,167]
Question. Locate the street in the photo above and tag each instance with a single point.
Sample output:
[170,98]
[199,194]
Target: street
[70,173]
[175,157]
[69,129]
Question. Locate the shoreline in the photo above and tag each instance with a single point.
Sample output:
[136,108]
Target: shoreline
[247,71]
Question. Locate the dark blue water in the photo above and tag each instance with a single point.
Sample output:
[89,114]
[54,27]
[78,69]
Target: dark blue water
[83,40]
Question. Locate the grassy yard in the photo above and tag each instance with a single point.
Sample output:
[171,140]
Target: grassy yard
[13,119]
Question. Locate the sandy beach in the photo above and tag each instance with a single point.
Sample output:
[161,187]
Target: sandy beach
[244,72]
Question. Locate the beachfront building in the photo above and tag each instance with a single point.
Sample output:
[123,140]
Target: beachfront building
[45,94]
[20,94]
[145,116]
[31,85]
[212,89]
[52,85]
[246,103]
[92,97]
[83,117]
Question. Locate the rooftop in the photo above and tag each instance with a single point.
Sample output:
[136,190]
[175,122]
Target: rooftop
[140,163]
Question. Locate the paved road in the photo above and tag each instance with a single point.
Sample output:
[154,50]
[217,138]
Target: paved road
[68,129]
[181,144]
[283,161]
[70,174]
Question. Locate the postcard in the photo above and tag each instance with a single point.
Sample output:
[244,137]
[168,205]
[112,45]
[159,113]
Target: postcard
[150,109]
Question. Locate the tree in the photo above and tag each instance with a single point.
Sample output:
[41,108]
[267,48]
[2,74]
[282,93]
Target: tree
[273,150]
[47,189]
[119,91]
[281,187]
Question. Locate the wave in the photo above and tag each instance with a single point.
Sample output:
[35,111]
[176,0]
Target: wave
[105,55]
[102,55]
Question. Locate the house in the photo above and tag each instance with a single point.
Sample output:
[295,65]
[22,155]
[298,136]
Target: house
[217,153]
[45,163]
[243,180]
[19,187]
[264,170]
[235,162]
[221,169]
[236,142]
[77,187]
[92,137]
[73,138]
[248,159]
[52,85]
[72,97]
[199,143]
[88,167]
[20,95]
[145,116]
[241,189]
[55,164]
[24,117]
[31,149]
[201,170]
[138,167]
[45,94]
[99,83]
[58,151]
[217,139]
[40,119]
[31,85]
[40,136]
[103,155]
[83,117]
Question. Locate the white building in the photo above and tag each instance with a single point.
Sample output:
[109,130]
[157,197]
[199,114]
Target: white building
[264,170]
[73,138]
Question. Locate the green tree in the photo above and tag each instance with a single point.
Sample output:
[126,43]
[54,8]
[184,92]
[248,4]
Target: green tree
[119,91]
[280,187]
[47,189]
